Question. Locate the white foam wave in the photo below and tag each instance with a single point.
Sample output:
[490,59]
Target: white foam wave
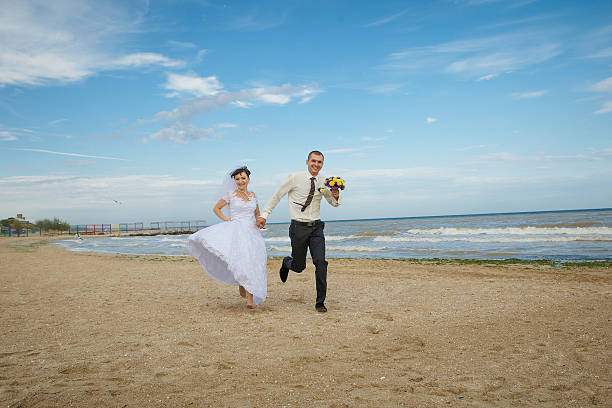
[334,248]
[327,238]
[514,231]
[277,239]
[495,239]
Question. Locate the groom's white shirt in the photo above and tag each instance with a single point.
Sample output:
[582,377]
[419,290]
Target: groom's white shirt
[297,187]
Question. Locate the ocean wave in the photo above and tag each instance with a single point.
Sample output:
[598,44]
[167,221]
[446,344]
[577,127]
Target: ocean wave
[495,239]
[335,248]
[514,231]
[277,239]
[327,238]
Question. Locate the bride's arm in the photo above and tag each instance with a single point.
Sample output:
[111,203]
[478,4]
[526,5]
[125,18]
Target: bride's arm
[217,210]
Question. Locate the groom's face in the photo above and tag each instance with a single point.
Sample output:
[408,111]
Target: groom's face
[314,163]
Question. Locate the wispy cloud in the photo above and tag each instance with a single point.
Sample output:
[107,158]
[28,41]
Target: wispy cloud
[529,95]
[488,77]
[373,139]
[182,133]
[7,136]
[258,22]
[603,86]
[181,44]
[70,154]
[66,41]
[348,149]
[508,157]
[606,107]
[484,57]
[473,147]
[210,94]
[386,20]
[385,88]
[430,120]
[604,53]
[226,125]
[257,128]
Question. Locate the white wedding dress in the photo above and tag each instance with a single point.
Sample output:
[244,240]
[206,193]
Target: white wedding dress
[234,252]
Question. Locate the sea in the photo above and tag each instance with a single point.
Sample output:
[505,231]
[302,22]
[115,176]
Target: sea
[573,235]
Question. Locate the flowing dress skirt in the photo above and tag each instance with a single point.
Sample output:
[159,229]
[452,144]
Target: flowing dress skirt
[233,252]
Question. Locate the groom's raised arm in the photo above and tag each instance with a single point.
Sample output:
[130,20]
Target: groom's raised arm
[276,197]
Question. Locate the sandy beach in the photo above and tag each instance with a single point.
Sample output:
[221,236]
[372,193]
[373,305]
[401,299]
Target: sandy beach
[85,329]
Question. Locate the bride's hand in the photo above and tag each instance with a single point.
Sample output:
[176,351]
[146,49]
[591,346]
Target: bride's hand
[228,219]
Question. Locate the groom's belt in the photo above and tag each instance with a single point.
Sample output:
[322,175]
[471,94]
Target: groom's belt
[307,223]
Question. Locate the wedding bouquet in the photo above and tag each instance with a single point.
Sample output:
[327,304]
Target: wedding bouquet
[335,183]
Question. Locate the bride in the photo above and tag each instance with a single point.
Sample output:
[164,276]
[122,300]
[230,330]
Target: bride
[234,251]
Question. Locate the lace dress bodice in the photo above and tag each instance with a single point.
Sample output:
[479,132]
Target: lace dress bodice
[241,210]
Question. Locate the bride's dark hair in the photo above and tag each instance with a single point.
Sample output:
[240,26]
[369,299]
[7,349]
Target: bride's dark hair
[239,170]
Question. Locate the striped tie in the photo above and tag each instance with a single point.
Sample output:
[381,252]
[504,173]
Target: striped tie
[310,194]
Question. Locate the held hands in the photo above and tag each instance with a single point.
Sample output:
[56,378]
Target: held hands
[260,222]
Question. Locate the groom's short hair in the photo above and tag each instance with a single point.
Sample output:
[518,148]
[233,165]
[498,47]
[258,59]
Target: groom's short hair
[318,153]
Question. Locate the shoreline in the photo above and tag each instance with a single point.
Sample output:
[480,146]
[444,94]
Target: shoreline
[557,263]
[494,261]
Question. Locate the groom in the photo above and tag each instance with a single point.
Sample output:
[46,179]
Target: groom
[305,190]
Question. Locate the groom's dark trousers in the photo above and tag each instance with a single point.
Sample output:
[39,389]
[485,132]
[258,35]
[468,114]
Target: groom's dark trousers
[304,236]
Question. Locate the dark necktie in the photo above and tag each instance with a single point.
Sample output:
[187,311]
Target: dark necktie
[310,194]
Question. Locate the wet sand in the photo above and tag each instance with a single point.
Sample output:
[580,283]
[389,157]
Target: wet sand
[84,329]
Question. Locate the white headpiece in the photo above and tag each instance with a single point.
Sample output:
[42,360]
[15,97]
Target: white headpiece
[229,184]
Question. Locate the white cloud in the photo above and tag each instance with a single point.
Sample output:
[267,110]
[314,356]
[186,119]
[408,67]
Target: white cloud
[431,120]
[182,133]
[242,104]
[385,88]
[257,128]
[68,40]
[143,59]
[487,77]
[258,22]
[374,139]
[182,44]
[605,53]
[192,84]
[348,149]
[606,107]
[211,95]
[70,154]
[473,147]
[227,125]
[7,136]
[278,99]
[386,20]
[529,95]
[603,86]
[483,57]
[507,157]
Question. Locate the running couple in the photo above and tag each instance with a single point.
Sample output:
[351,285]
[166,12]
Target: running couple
[234,251]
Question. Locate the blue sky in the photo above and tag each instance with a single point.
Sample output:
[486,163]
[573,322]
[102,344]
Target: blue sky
[132,111]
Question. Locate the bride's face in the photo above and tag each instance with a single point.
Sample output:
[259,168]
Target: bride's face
[242,180]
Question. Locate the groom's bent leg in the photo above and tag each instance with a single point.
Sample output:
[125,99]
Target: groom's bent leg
[317,251]
[300,237]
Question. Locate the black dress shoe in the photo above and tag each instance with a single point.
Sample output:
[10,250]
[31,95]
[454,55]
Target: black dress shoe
[284,271]
[321,308]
